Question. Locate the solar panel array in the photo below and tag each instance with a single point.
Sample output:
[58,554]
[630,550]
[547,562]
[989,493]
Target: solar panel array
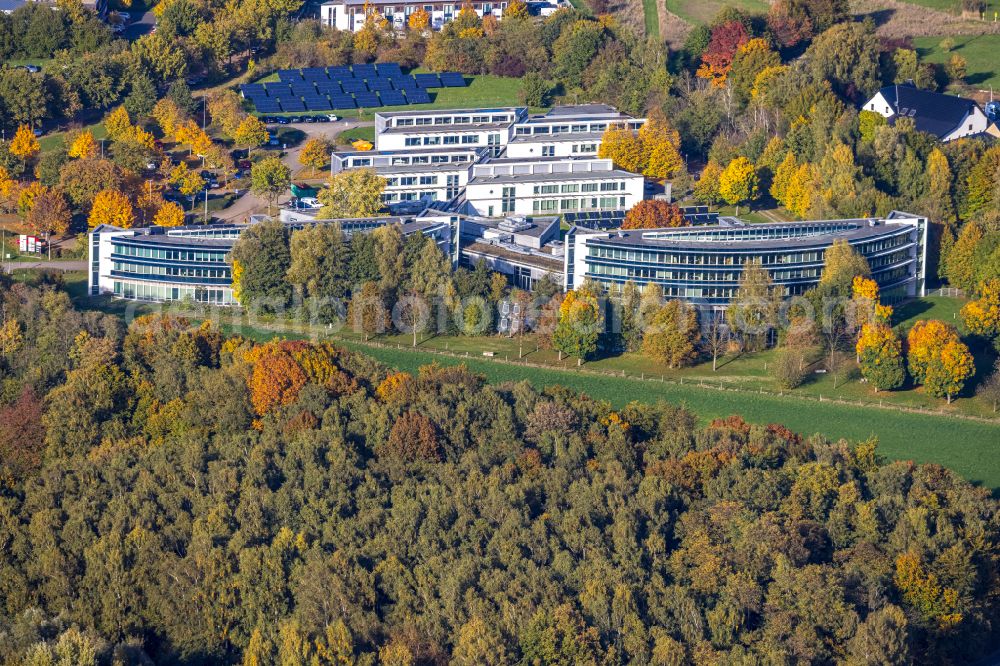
[598,219]
[345,87]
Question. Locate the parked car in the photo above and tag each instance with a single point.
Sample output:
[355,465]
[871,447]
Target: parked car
[37,132]
[320,119]
[283,120]
[244,164]
[309,202]
[34,69]
[269,120]
[274,142]
[332,117]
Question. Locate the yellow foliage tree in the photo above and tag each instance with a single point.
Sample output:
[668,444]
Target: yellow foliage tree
[168,116]
[783,177]
[799,191]
[27,195]
[880,355]
[315,154]
[169,215]
[111,207]
[516,9]
[982,316]
[706,190]
[419,20]
[118,124]
[738,183]
[251,133]
[922,591]
[937,358]
[83,145]
[24,144]
[623,147]
[660,145]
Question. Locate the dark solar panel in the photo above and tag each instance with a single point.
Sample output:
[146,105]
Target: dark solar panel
[277,89]
[427,80]
[418,97]
[329,88]
[364,71]
[252,88]
[367,100]
[342,101]
[392,98]
[292,105]
[404,83]
[388,69]
[289,75]
[301,89]
[354,86]
[378,85]
[267,106]
[306,71]
[339,72]
[452,80]
[316,103]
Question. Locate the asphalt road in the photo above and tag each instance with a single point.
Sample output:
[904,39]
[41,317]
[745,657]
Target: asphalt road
[11,266]
[241,209]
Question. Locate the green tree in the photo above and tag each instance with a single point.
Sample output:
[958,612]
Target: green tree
[753,312]
[263,254]
[672,335]
[579,327]
[353,193]
[319,262]
[841,264]
[270,178]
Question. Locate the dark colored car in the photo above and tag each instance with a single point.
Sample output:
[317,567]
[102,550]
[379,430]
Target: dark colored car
[244,164]
[320,119]
[283,120]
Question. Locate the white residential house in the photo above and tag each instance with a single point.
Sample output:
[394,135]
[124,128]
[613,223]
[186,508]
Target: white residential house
[567,131]
[945,116]
[549,186]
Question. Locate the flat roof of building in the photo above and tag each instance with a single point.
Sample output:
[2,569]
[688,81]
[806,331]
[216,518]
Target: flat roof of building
[419,150]
[446,112]
[851,230]
[446,129]
[561,137]
[534,258]
[557,176]
[582,110]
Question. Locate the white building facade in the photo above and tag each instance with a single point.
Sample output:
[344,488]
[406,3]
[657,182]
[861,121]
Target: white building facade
[437,174]
[567,131]
[444,128]
[945,116]
[550,186]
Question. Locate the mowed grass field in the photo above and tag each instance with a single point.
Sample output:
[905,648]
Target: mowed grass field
[651,18]
[967,447]
[981,51]
[953,6]
[698,12]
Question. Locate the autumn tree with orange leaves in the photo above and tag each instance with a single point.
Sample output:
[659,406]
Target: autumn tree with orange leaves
[938,359]
[654,214]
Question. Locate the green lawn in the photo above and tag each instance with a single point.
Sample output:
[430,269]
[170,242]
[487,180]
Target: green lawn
[968,447]
[651,19]
[703,11]
[367,133]
[55,140]
[982,53]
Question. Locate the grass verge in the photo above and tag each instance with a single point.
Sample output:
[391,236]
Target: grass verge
[651,19]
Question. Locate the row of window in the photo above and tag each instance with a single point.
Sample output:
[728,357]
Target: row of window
[642,273]
[172,271]
[447,140]
[715,259]
[176,255]
[572,188]
[392,197]
[158,292]
[410,181]
[451,120]
[358,162]
[585,203]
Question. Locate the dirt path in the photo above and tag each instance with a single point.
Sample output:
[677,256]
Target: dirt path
[673,29]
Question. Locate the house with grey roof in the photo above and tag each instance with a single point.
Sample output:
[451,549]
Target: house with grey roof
[945,116]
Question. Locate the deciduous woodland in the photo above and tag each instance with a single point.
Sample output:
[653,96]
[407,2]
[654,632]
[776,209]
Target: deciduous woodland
[171,496]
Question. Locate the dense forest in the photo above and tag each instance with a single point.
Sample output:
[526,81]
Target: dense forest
[169,495]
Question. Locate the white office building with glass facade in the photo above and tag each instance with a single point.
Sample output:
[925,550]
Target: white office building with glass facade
[704,264]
